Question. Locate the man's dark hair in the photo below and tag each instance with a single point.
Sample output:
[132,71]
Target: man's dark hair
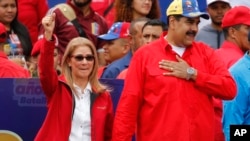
[226,29]
[177,17]
[155,22]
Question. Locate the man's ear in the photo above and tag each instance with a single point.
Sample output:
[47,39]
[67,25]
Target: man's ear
[232,32]
[171,21]
[130,39]
[126,47]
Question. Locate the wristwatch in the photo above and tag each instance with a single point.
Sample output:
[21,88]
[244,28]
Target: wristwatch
[190,72]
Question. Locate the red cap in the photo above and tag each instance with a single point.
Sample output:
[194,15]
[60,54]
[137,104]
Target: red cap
[236,15]
[3,33]
[36,48]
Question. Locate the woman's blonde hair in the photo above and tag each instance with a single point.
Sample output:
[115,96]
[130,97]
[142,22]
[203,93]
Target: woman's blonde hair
[66,70]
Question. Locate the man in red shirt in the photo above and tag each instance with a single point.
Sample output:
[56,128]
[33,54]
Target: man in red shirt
[236,26]
[170,83]
[35,56]
[8,68]
[91,23]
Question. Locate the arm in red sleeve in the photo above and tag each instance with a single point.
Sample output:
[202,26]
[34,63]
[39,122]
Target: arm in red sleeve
[217,81]
[129,103]
[47,73]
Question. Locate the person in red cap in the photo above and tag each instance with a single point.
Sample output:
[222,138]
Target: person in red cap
[168,90]
[236,27]
[236,111]
[35,55]
[8,68]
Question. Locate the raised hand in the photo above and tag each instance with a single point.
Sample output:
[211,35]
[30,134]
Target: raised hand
[48,23]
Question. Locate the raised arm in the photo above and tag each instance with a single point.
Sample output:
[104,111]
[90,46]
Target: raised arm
[47,73]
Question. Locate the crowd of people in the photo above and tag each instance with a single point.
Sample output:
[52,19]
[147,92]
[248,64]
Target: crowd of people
[181,82]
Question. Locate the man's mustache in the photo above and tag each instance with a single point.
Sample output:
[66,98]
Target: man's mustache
[191,33]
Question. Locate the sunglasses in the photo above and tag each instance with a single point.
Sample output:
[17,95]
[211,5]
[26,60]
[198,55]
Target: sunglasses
[81,57]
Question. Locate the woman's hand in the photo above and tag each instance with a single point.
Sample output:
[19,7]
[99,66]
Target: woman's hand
[48,23]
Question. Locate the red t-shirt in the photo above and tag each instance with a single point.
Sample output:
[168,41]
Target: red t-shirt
[9,69]
[30,16]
